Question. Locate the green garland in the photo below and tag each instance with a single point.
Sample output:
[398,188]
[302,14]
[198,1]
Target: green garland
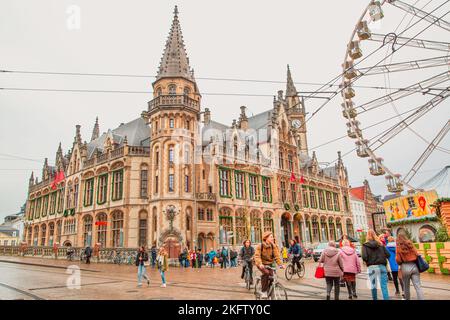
[66,213]
[297,207]
[287,206]
[404,222]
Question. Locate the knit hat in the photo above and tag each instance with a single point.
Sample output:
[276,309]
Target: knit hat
[266,235]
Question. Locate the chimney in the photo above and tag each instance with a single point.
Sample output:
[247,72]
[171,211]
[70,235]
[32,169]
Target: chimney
[207,116]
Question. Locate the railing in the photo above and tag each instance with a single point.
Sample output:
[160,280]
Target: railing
[205,196]
[40,184]
[173,100]
[139,151]
[117,153]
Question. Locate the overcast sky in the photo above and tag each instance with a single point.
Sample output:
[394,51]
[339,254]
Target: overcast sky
[224,39]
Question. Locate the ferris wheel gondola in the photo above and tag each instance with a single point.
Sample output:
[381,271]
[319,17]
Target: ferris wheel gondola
[434,88]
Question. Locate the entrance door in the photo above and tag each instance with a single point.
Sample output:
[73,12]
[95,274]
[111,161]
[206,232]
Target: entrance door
[286,229]
[172,247]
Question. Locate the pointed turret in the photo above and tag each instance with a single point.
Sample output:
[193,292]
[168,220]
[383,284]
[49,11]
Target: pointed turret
[175,62]
[78,134]
[31,181]
[291,91]
[96,130]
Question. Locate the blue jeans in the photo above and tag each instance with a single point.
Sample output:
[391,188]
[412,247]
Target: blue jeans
[378,272]
[142,272]
[163,277]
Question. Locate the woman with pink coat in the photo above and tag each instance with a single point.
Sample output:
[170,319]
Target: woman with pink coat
[352,266]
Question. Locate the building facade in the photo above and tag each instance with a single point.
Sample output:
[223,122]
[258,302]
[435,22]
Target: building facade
[174,177]
[16,221]
[359,214]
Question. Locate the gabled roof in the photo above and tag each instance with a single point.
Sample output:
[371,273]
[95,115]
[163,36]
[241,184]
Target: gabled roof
[136,131]
[358,192]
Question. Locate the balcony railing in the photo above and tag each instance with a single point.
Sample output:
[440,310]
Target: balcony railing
[173,100]
[205,196]
[139,151]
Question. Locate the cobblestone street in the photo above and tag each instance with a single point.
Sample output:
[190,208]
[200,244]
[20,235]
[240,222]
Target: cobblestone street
[35,278]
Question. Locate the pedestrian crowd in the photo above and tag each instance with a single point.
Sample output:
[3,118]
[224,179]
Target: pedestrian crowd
[386,259]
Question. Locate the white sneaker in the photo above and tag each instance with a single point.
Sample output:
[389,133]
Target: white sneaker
[264,295]
[163,285]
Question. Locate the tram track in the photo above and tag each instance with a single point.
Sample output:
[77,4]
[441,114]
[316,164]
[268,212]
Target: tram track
[23,292]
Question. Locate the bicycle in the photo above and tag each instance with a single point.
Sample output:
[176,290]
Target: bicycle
[276,290]
[247,275]
[292,269]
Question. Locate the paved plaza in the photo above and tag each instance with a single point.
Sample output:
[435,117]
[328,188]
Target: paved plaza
[36,278]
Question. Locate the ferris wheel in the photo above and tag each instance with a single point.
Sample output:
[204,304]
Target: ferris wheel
[396,71]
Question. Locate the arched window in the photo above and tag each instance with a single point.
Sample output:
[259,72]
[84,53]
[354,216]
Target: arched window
[87,230]
[158,92]
[323,228]
[51,233]
[332,228]
[101,228]
[308,228]
[427,234]
[268,221]
[241,226]
[349,227]
[117,229]
[186,90]
[255,225]
[143,228]
[43,234]
[30,235]
[338,228]
[58,232]
[225,223]
[35,235]
[144,182]
[315,229]
[172,89]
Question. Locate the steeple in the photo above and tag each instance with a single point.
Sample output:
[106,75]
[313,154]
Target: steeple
[291,91]
[174,62]
[96,131]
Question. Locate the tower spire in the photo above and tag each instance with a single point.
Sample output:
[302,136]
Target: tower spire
[175,62]
[96,131]
[291,91]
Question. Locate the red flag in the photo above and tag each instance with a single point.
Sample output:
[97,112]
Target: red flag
[302,180]
[292,177]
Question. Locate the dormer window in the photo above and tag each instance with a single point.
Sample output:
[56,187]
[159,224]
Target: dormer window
[172,89]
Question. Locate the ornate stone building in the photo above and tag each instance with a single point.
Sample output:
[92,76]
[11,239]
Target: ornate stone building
[177,178]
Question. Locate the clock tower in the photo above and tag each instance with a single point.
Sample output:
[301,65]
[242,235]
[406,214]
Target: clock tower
[296,114]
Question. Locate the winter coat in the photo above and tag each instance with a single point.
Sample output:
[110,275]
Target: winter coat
[374,254]
[246,254]
[295,250]
[163,264]
[350,260]
[267,254]
[192,255]
[88,251]
[224,253]
[153,252]
[144,256]
[332,262]
[211,255]
[392,248]
[200,257]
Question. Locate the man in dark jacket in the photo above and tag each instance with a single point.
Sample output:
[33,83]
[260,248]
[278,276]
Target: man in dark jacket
[88,253]
[153,253]
[375,255]
[199,258]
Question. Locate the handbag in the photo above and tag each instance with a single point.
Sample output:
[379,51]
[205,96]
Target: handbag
[320,272]
[422,265]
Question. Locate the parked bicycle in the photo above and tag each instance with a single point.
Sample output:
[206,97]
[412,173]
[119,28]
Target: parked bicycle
[276,289]
[70,254]
[292,269]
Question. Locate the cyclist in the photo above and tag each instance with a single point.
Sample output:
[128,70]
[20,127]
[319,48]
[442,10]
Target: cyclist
[246,255]
[296,252]
[266,254]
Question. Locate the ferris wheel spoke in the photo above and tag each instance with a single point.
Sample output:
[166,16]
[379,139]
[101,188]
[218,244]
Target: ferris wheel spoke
[427,152]
[416,43]
[405,123]
[421,14]
[404,92]
[405,66]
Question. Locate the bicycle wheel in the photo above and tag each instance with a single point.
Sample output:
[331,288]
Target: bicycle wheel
[258,289]
[289,271]
[278,292]
[301,271]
